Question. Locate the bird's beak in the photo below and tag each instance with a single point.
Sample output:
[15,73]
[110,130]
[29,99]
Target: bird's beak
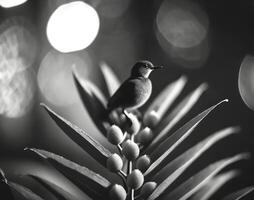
[157,67]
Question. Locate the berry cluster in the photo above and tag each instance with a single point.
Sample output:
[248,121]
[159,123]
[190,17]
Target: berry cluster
[130,135]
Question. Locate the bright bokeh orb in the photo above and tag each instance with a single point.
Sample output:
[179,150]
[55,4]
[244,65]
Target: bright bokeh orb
[73,26]
[182,31]
[180,25]
[11,3]
[18,48]
[18,51]
[17,94]
[191,58]
[55,78]
[246,81]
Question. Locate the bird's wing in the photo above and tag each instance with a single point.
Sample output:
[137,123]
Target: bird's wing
[124,96]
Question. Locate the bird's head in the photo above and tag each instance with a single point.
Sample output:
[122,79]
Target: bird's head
[143,68]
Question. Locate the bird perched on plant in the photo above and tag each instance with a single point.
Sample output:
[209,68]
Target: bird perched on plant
[134,91]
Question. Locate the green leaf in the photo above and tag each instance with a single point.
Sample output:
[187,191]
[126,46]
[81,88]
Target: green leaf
[182,133]
[57,191]
[168,123]
[93,184]
[176,167]
[238,195]
[23,191]
[110,77]
[94,101]
[193,184]
[80,137]
[214,185]
[167,96]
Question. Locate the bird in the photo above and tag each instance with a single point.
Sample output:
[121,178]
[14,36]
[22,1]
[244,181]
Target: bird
[135,90]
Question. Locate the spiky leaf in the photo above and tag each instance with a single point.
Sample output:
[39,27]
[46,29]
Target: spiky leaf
[240,194]
[24,191]
[111,79]
[90,182]
[193,184]
[94,101]
[176,138]
[181,109]
[80,137]
[57,191]
[166,97]
[214,185]
[176,167]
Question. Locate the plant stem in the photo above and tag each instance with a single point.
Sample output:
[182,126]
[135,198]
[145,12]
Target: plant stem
[131,191]
[123,174]
[123,177]
[130,166]
[129,170]
[131,194]
[119,149]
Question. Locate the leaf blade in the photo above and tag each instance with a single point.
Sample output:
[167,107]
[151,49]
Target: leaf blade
[182,162]
[214,185]
[94,102]
[80,137]
[182,133]
[90,182]
[110,78]
[189,187]
[238,195]
[24,191]
[181,109]
[56,190]
[166,97]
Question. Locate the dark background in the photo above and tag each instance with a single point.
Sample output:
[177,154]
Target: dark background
[230,38]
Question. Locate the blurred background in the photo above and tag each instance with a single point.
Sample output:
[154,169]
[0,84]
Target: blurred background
[208,41]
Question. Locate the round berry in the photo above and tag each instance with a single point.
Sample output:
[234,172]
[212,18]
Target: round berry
[115,135]
[143,163]
[122,119]
[137,113]
[114,163]
[113,117]
[130,150]
[117,192]
[147,189]
[135,179]
[151,119]
[135,124]
[145,136]
[119,111]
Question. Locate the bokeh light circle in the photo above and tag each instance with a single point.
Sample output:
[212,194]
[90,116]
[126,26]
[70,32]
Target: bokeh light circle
[179,25]
[18,51]
[182,32]
[246,81]
[18,46]
[73,26]
[11,3]
[55,78]
[17,94]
